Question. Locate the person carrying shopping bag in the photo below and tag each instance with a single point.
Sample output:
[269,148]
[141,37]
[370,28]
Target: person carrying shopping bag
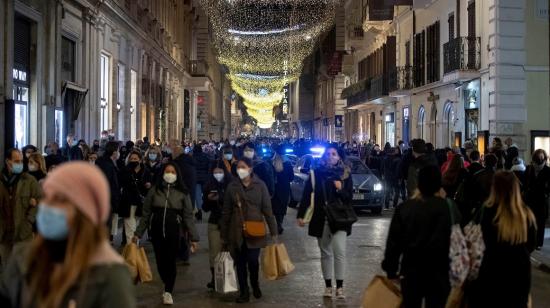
[333,182]
[246,205]
[167,208]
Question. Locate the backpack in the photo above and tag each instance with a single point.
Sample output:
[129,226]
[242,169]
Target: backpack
[459,256]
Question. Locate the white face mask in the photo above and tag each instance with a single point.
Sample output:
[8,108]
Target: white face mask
[169,178]
[249,154]
[243,173]
[33,167]
[219,176]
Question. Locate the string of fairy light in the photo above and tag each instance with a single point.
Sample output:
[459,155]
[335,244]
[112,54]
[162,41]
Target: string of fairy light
[263,44]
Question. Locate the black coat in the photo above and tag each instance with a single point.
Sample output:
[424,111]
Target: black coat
[324,176]
[215,207]
[109,168]
[133,189]
[53,159]
[264,171]
[537,191]
[186,164]
[280,199]
[202,165]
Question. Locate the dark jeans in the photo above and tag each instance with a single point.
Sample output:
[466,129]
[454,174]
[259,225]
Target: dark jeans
[280,218]
[166,250]
[248,260]
[416,289]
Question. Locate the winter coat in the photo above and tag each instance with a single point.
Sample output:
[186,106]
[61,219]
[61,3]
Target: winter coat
[215,207]
[108,283]
[53,159]
[265,172]
[391,168]
[256,206]
[280,199]
[133,190]
[325,176]
[202,164]
[451,188]
[474,167]
[23,213]
[537,191]
[166,210]
[110,170]
[186,164]
[505,274]
[419,238]
[415,166]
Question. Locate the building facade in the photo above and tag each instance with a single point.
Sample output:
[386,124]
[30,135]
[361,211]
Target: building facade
[448,71]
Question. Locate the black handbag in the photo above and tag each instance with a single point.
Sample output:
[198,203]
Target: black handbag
[339,215]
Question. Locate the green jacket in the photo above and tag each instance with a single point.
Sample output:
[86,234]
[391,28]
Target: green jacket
[24,214]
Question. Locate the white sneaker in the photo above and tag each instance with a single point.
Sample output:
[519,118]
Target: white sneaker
[167,299]
[328,293]
[340,293]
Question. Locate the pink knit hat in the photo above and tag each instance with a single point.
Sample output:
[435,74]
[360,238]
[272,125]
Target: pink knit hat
[84,185]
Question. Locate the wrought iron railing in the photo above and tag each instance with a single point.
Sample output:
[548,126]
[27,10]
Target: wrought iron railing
[400,78]
[462,53]
[198,68]
[356,33]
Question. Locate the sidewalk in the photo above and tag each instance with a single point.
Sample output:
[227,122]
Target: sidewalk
[541,258]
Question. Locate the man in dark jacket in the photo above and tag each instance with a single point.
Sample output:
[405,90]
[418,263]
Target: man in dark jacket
[262,169]
[390,172]
[475,164]
[107,164]
[421,160]
[54,156]
[202,165]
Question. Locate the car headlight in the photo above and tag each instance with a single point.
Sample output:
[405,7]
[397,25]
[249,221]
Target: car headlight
[377,187]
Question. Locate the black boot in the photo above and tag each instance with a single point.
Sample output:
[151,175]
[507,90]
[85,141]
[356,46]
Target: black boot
[254,282]
[211,284]
[256,291]
[244,297]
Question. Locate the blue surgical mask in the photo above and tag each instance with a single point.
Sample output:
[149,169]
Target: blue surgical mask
[153,156]
[52,223]
[75,143]
[228,156]
[17,168]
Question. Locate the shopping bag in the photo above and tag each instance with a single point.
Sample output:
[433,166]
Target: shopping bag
[144,269]
[130,255]
[284,266]
[225,279]
[269,263]
[381,293]
[456,298]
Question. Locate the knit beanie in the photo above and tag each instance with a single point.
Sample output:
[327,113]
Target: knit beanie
[84,185]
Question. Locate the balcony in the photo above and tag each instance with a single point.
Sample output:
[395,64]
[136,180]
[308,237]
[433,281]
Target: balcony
[400,80]
[355,37]
[461,54]
[198,68]
[366,90]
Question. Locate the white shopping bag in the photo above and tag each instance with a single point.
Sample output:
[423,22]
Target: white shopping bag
[226,279]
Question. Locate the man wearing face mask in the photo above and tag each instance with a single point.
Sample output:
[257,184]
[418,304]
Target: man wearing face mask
[537,191]
[262,169]
[107,164]
[19,194]
[69,151]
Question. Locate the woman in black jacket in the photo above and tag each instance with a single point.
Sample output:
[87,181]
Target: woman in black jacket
[284,174]
[417,248]
[454,176]
[333,177]
[213,196]
[537,191]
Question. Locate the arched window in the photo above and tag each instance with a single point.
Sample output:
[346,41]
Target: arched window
[420,125]
[433,124]
[448,114]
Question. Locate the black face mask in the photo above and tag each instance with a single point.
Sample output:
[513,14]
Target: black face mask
[133,164]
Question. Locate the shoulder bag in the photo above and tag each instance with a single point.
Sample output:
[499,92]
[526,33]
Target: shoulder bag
[339,215]
[251,228]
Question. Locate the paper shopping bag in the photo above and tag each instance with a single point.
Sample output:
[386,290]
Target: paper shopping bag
[130,255]
[144,269]
[456,298]
[284,266]
[225,278]
[381,293]
[269,263]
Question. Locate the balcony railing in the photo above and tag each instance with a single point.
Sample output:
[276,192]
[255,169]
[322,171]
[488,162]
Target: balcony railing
[356,33]
[462,53]
[400,78]
[198,68]
[378,87]
[366,90]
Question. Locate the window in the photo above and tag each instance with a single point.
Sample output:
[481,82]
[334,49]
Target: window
[408,53]
[472,19]
[104,91]
[21,80]
[59,126]
[432,52]
[133,104]
[451,26]
[448,113]
[121,85]
[390,128]
[67,59]
[419,59]
[421,115]
[540,139]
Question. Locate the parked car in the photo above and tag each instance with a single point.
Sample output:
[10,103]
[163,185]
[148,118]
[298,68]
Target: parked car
[368,191]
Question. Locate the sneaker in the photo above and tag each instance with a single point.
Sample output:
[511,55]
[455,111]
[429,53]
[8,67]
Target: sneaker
[328,293]
[340,293]
[167,299]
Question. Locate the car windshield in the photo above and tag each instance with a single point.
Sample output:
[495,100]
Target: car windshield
[358,167]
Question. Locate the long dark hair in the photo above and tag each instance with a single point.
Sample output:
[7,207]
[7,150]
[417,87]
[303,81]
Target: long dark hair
[179,184]
[226,175]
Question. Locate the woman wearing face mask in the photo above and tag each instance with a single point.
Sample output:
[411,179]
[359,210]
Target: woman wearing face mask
[250,193]
[283,176]
[152,160]
[213,196]
[27,151]
[337,181]
[229,161]
[166,210]
[537,191]
[37,166]
[135,183]
[70,263]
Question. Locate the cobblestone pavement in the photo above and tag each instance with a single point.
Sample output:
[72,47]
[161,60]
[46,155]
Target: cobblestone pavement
[303,288]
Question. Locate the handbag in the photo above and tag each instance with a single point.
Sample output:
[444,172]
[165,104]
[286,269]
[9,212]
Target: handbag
[311,208]
[339,215]
[458,253]
[251,228]
[476,244]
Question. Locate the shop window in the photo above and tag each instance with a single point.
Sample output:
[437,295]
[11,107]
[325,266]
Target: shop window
[67,59]
[390,128]
[540,139]
[421,122]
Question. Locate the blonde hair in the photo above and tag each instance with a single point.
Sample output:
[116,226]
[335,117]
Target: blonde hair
[512,218]
[39,159]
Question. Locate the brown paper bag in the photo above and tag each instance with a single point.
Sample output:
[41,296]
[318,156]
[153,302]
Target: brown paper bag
[456,298]
[284,266]
[381,293]
[144,270]
[269,263]
[130,255]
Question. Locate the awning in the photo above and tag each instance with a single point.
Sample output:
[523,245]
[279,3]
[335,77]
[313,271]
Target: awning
[73,97]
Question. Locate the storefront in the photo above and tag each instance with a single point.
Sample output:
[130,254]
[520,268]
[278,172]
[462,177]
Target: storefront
[471,99]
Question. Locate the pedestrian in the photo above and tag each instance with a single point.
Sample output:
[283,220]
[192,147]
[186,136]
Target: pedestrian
[91,158]
[537,191]
[518,168]
[284,174]
[246,199]
[27,150]
[262,169]
[69,148]
[417,248]
[69,263]
[135,182]
[475,164]
[421,159]
[202,165]
[107,164]
[53,157]
[166,209]
[95,146]
[454,175]
[390,169]
[229,160]
[498,150]
[214,193]
[37,166]
[333,180]
[19,195]
[153,158]
[508,228]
